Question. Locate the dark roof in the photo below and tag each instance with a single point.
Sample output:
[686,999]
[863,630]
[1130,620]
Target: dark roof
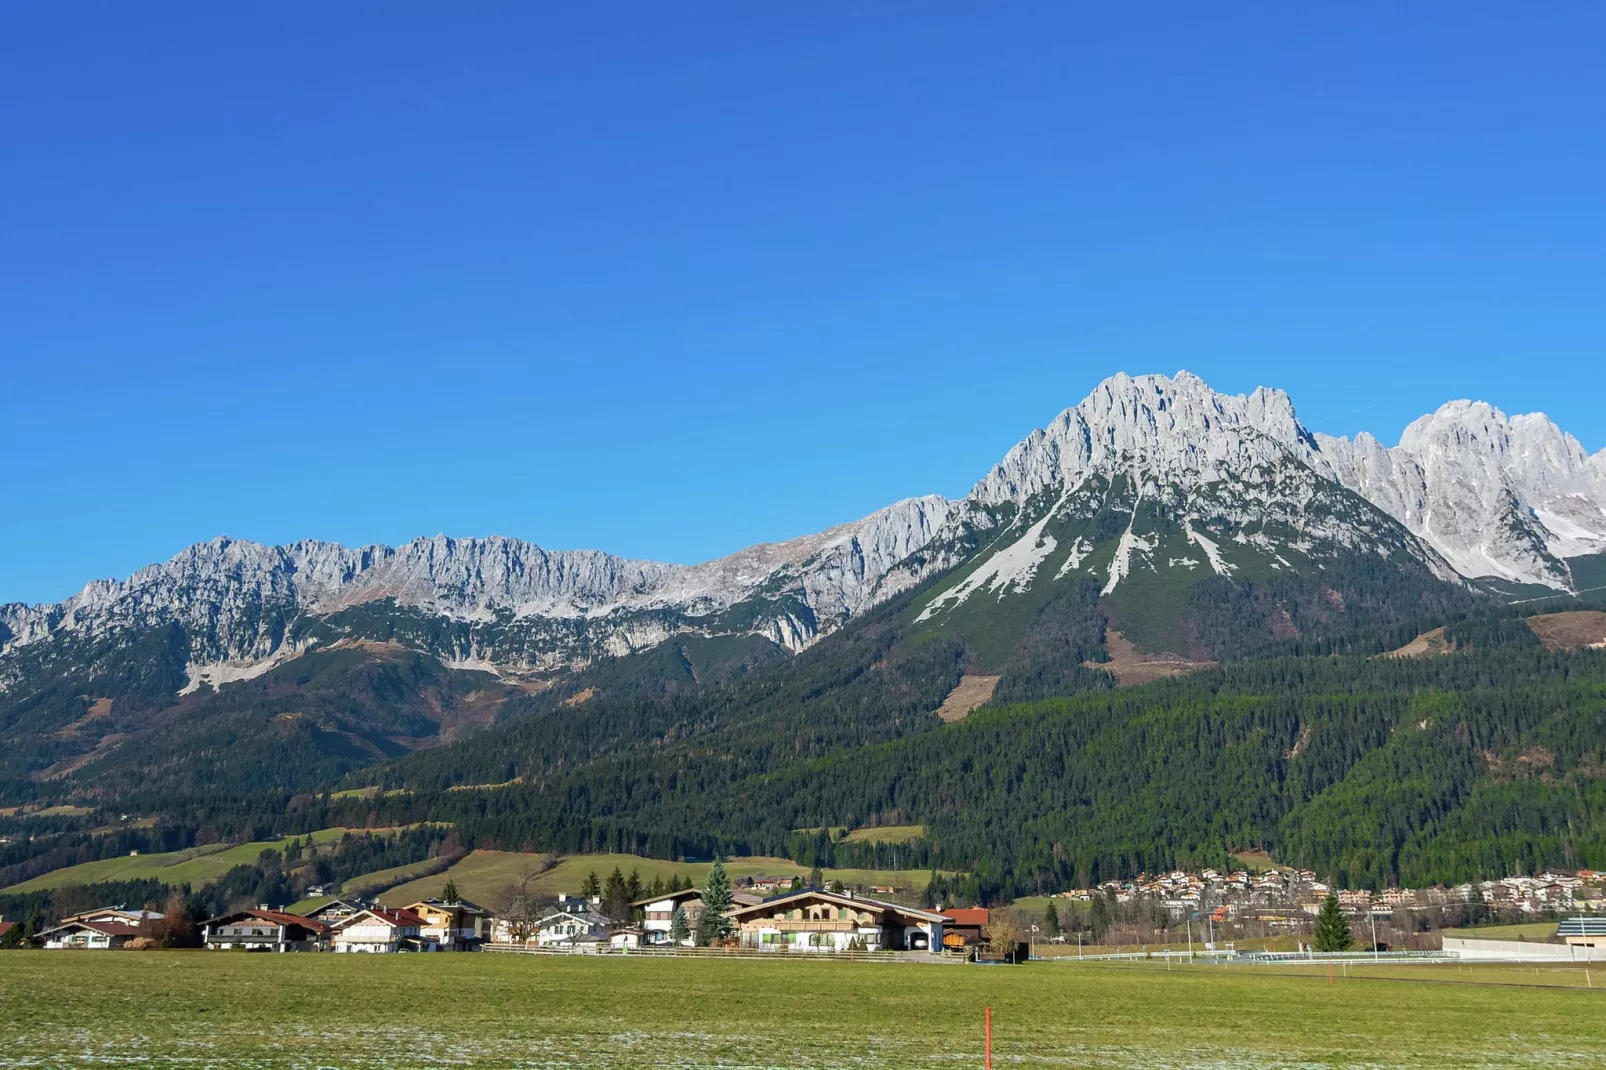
[273,917]
[402,918]
[857,901]
[1582,927]
[684,893]
[109,928]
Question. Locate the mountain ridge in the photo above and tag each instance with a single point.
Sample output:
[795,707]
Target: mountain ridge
[1474,493]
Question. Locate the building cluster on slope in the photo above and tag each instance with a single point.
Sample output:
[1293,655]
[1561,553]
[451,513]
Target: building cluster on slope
[1289,893]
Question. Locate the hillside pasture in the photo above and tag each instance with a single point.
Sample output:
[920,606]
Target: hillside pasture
[482,876]
[193,866]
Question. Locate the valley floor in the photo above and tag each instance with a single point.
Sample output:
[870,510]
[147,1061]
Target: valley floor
[239,1010]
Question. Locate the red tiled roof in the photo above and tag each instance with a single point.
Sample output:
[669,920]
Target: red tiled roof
[399,918]
[7,926]
[967,915]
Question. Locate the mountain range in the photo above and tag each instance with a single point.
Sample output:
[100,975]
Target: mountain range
[966,666]
[1147,486]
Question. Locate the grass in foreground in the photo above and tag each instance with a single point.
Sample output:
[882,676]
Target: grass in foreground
[234,1009]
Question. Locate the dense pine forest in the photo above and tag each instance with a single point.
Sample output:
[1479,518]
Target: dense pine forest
[1486,757]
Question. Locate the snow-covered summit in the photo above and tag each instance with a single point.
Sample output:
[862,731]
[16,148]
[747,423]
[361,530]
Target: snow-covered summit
[1511,497]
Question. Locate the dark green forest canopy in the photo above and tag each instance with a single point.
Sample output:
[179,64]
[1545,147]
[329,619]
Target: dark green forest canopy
[1370,770]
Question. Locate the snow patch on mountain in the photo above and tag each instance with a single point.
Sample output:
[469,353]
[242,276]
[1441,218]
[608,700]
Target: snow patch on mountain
[1010,569]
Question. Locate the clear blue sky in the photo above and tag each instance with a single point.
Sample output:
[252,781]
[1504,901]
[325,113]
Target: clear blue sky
[668,279]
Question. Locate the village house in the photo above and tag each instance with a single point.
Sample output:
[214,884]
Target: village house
[460,926]
[336,911]
[89,935]
[815,920]
[379,931]
[581,930]
[264,930]
[658,912]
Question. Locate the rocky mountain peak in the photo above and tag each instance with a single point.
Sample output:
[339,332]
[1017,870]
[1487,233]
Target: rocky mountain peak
[1170,429]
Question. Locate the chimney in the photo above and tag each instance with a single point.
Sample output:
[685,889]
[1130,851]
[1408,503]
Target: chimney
[563,897]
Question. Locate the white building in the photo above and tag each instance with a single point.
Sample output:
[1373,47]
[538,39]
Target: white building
[379,931]
[658,913]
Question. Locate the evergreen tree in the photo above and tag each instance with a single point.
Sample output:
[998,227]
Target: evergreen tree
[797,884]
[1332,928]
[591,887]
[1051,920]
[836,886]
[712,924]
[449,893]
[679,928]
[816,878]
[633,886]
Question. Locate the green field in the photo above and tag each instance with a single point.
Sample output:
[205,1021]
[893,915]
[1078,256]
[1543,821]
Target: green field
[222,1009]
[1532,930]
[194,866]
[482,875]
[886,834]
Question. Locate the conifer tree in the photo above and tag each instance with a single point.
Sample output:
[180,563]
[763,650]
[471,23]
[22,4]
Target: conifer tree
[679,927]
[1332,929]
[712,924]
[449,893]
[1051,920]
[591,887]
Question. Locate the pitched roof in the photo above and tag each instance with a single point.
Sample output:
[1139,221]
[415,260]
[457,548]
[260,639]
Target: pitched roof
[967,915]
[108,928]
[396,919]
[684,893]
[274,917]
[855,901]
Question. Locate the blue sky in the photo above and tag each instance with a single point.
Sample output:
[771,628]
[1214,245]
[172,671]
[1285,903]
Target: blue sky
[670,279]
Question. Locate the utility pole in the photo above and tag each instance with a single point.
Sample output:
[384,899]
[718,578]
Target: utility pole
[1372,916]
[1190,939]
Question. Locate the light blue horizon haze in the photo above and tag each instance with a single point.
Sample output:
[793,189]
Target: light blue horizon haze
[668,280]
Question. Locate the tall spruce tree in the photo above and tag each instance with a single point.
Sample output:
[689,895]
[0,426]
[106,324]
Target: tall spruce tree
[1332,928]
[712,924]
[1051,920]
[679,927]
[449,893]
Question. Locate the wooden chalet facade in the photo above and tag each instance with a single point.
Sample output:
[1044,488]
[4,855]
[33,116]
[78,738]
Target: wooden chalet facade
[658,913]
[820,921]
[89,936]
[379,932]
[264,930]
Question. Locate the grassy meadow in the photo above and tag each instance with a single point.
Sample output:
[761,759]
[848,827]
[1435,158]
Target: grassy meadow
[195,865]
[481,876]
[217,1009]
